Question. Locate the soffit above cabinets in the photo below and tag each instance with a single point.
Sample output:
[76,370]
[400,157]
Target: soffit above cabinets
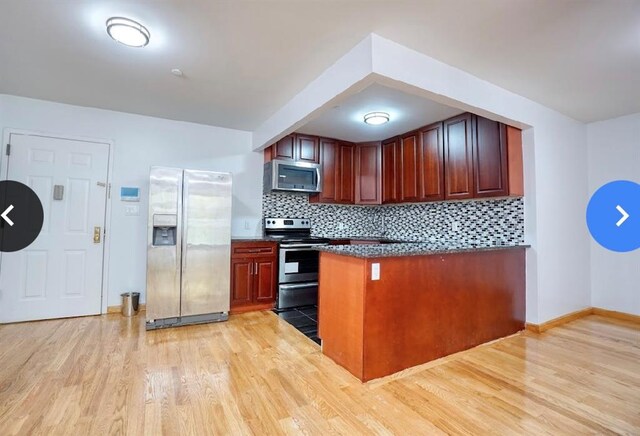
[407,112]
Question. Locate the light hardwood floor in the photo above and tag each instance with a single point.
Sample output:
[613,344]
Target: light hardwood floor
[256,374]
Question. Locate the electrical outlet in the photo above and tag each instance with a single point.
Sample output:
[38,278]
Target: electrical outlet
[455,226]
[375,271]
[246,225]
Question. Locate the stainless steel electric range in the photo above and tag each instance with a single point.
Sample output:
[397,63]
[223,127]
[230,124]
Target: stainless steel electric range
[297,261]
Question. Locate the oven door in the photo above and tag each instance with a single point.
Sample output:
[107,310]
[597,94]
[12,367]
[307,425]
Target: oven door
[297,294]
[298,264]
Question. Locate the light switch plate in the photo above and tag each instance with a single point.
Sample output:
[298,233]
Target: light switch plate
[375,271]
[132,210]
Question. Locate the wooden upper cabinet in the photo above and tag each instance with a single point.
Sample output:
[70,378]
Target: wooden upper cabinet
[296,147]
[338,172]
[368,179]
[306,149]
[431,142]
[284,149]
[515,161]
[329,159]
[490,158]
[458,157]
[346,173]
[390,171]
[466,156]
[410,167]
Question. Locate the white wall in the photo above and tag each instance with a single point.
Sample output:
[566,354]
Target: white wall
[140,142]
[614,154]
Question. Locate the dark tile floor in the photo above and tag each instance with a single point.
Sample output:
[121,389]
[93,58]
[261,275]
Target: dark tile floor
[305,319]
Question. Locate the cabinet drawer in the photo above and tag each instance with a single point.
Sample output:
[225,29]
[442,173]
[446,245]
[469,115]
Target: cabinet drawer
[253,249]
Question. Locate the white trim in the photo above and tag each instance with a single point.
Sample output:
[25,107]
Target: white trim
[6,138]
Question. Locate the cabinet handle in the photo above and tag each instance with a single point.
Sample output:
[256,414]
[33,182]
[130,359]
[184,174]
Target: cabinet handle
[251,269]
[255,269]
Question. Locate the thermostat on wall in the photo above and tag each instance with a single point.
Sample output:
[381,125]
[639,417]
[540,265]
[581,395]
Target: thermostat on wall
[129,194]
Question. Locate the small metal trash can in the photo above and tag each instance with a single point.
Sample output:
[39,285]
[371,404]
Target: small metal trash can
[130,303]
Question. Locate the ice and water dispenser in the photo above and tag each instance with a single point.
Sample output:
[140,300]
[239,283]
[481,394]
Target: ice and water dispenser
[164,229]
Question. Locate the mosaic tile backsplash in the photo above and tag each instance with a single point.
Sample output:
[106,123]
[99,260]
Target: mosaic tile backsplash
[487,221]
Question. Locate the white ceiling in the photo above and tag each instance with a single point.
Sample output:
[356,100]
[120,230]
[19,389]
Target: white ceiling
[242,60]
[407,112]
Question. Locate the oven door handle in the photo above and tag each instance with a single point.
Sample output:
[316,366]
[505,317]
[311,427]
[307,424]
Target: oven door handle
[297,247]
[299,285]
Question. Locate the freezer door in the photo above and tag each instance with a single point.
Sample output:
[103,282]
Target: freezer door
[206,242]
[163,243]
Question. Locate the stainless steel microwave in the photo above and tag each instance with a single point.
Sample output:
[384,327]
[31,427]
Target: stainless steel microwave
[284,175]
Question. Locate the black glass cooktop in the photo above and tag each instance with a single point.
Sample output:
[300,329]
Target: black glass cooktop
[304,319]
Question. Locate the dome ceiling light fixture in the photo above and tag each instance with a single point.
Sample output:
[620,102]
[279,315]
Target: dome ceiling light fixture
[376,118]
[128,32]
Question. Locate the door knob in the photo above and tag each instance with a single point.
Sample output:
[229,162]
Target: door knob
[96,235]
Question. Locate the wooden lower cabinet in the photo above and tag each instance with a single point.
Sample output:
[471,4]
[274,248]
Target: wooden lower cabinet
[241,281]
[254,275]
[418,309]
[265,276]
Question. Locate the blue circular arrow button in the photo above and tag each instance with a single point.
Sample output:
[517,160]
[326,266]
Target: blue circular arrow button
[613,216]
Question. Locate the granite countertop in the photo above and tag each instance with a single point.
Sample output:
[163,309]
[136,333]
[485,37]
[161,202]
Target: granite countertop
[253,238]
[262,238]
[413,248]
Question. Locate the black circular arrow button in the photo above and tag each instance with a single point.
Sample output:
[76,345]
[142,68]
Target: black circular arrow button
[21,216]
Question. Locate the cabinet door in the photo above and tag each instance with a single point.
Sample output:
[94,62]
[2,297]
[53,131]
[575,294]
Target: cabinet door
[390,167]
[490,158]
[284,149]
[368,178]
[514,157]
[346,173]
[432,162]
[329,160]
[265,276]
[241,281]
[458,157]
[307,149]
[409,177]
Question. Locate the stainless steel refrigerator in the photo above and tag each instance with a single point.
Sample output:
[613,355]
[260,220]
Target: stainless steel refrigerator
[188,249]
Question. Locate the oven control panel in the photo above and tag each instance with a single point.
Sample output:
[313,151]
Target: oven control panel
[287,223]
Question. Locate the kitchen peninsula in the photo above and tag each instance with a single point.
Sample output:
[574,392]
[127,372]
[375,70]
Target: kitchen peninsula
[384,308]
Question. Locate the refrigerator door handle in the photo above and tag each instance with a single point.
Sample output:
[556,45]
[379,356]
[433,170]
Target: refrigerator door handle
[183,246]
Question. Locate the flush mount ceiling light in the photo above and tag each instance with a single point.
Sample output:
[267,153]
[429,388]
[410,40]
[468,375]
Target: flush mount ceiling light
[128,32]
[376,118]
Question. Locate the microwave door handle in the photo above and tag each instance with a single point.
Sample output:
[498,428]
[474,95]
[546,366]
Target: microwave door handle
[319,179]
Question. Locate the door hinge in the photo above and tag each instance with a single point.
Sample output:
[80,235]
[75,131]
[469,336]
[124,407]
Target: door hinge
[8,150]
[109,191]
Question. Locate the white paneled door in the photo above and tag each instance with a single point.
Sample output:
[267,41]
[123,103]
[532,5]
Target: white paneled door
[60,274]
